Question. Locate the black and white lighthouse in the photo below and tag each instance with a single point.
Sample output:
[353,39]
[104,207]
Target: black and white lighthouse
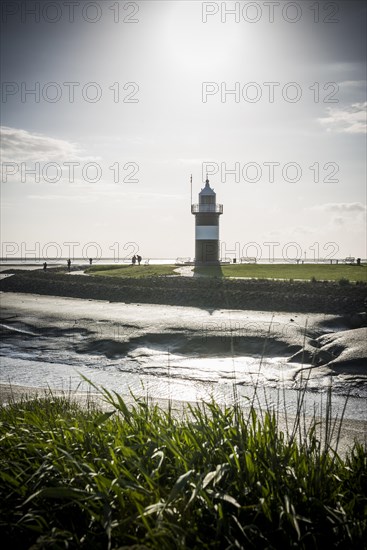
[207,213]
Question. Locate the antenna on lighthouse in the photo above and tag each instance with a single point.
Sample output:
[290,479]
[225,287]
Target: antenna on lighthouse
[191,189]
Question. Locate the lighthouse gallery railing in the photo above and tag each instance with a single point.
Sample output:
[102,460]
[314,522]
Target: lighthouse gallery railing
[198,208]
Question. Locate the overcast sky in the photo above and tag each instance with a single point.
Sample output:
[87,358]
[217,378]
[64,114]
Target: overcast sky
[131,98]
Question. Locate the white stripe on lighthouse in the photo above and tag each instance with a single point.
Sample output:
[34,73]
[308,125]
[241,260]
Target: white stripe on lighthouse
[207,232]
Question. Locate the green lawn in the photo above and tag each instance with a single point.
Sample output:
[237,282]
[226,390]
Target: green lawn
[287,271]
[320,272]
[136,271]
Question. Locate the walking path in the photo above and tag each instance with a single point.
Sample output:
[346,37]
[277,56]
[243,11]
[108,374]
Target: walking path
[186,271]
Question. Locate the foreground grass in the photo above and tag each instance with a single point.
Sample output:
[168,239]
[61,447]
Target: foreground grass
[219,478]
[288,271]
[135,272]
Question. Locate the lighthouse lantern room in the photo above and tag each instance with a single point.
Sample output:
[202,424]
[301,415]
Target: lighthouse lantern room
[207,213]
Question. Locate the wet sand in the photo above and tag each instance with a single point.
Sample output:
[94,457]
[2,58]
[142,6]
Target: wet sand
[322,345]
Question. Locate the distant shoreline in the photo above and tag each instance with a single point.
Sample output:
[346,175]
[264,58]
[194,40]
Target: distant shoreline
[206,293]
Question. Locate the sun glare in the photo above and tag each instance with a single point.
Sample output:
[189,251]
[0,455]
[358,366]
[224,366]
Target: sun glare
[196,46]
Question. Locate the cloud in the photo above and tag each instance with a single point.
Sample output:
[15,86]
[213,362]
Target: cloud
[353,85]
[339,221]
[36,158]
[96,194]
[302,230]
[83,199]
[350,120]
[341,215]
[191,161]
[341,207]
[22,146]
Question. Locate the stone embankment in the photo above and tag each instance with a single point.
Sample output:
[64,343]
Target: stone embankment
[207,293]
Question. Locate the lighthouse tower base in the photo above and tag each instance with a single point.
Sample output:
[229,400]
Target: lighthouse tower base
[206,252]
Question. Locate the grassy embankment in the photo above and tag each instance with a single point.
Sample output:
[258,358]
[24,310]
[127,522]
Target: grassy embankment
[135,272]
[319,272]
[217,478]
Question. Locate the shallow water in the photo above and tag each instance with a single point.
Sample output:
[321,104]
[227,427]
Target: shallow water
[180,353]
